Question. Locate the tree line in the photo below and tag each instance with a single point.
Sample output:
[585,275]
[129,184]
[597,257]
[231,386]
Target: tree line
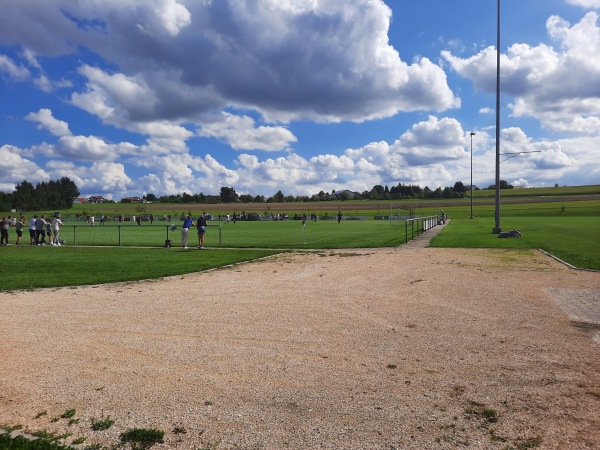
[378,192]
[43,196]
[59,195]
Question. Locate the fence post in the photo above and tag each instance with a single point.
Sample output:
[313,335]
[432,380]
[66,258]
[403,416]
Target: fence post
[119,226]
[74,235]
[220,229]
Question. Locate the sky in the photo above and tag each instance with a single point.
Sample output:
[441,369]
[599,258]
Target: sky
[131,97]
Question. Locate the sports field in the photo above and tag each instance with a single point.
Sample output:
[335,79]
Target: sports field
[259,234]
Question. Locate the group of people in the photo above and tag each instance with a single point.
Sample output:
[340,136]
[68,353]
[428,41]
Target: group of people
[39,228]
[200,225]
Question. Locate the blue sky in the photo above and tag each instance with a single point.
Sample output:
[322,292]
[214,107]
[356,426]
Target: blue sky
[129,97]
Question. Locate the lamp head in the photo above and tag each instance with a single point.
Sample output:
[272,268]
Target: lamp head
[472,134]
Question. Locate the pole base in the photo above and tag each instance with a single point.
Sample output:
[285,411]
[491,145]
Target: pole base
[496,230]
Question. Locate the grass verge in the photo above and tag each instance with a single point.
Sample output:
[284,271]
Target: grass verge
[575,240]
[32,267]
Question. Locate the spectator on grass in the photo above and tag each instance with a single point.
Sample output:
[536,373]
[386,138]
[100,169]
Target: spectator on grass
[339,216]
[139,220]
[32,237]
[92,219]
[19,229]
[56,224]
[49,231]
[185,228]
[4,224]
[202,224]
[101,219]
[40,234]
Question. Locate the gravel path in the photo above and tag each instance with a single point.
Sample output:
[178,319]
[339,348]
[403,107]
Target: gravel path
[406,348]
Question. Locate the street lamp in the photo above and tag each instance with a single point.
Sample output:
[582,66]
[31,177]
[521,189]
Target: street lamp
[498,229]
[472,134]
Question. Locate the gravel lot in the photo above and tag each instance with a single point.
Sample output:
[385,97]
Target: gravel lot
[405,348]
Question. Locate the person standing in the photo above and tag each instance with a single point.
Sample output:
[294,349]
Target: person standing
[4,224]
[339,216]
[32,237]
[185,228]
[49,230]
[40,233]
[92,219]
[19,229]
[56,224]
[202,224]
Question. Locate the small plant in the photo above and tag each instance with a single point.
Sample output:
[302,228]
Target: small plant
[41,414]
[491,415]
[78,441]
[142,438]
[49,436]
[529,443]
[68,414]
[102,424]
[73,421]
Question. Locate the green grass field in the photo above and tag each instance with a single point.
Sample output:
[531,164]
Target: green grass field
[569,230]
[32,267]
[575,240]
[288,234]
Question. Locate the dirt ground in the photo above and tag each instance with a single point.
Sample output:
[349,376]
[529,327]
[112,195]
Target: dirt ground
[403,348]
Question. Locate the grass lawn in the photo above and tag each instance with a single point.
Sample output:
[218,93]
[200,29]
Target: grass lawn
[574,239]
[259,234]
[73,266]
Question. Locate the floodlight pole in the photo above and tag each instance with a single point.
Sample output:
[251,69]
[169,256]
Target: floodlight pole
[498,229]
[472,134]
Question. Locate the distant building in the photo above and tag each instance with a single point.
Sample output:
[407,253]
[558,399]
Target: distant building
[97,199]
[79,201]
[131,200]
[343,194]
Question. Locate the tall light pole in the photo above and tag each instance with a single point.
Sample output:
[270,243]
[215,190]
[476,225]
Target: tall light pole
[498,229]
[472,134]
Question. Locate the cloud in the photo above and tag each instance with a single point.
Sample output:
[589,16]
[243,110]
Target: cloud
[588,4]
[15,168]
[432,141]
[13,70]
[324,61]
[542,79]
[99,178]
[47,122]
[240,133]
[18,72]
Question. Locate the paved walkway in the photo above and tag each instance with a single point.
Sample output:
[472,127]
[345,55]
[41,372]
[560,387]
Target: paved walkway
[423,240]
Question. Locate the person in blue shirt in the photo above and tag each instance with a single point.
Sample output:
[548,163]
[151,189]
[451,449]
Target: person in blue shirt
[185,228]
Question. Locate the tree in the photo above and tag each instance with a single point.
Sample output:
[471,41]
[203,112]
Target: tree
[278,197]
[150,198]
[228,195]
[459,187]
[68,190]
[24,196]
